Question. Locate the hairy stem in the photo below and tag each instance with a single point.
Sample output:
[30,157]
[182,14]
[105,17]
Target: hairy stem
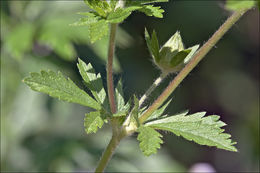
[152,87]
[110,81]
[196,59]
[108,153]
[111,96]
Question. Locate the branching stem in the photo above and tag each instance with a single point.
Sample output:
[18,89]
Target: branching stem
[155,84]
[196,59]
[118,134]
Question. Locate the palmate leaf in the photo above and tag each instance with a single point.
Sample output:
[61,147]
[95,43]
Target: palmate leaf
[93,121]
[196,127]
[150,140]
[56,85]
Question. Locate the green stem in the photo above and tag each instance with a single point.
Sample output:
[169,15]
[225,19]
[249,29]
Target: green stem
[108,153]
[111,96]
[155,84]
[196,59]
[110,81]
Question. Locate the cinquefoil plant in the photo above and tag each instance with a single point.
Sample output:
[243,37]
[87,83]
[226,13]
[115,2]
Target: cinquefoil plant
[128,117]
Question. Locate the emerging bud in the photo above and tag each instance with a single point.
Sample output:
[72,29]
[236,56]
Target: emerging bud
[172,56]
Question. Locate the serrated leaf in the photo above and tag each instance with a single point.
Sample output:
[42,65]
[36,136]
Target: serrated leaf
[92,81]
[150,10]
[238,5]
[153,45]
[113,3]
[101,7]
[120,14]
[86,21]
[97,27]
[122,107]
[197,128]
[92,122]
[98,30]
[120,96]
[150,140]
[56,85]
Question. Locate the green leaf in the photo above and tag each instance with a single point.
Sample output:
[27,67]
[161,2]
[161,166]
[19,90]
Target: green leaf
[191,54]
[120,14]
[86,21]
[241,4]
[196,127]
[56,85]
[120,96]
[98,30]
[97,27]
[122,107]
[92,81]
[150,140]
[113,3]
[101,7]
[179,57]
[92,122]
[153,45]
[150,10]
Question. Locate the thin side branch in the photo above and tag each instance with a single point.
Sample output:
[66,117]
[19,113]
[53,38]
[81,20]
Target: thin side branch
[190,66]
[155,84]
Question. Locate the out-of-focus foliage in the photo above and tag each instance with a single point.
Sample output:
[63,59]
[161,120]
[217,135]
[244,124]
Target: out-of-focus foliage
[43,28]
[242,4]
[43,134]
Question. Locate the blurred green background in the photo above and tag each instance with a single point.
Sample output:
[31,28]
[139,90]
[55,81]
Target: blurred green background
[39,133]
